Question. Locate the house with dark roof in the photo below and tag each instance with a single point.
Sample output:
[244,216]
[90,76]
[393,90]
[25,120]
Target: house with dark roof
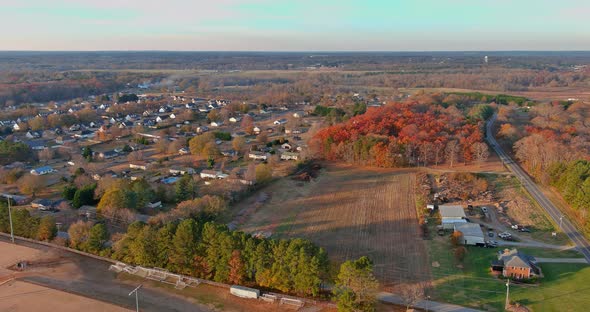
[108,154]
[36,145]
[515,264]
[42,204]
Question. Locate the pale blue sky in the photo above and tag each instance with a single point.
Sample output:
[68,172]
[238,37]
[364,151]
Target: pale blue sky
[295,25]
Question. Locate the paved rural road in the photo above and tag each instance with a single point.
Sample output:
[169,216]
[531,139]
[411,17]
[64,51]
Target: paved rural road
[426,305]
[566,226]
[560,260]
[97,282]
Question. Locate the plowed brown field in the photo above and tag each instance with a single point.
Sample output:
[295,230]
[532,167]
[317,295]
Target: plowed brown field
[352,212]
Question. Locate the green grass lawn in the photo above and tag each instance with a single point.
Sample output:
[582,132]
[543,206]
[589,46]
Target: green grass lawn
[565,287]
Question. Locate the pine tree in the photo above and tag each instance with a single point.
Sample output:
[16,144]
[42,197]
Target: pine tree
[97,237]
[184,246]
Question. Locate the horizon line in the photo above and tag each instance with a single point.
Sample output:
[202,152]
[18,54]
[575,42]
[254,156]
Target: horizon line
[304,51]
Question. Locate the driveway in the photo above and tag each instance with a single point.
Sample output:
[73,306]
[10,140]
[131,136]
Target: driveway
[426,305]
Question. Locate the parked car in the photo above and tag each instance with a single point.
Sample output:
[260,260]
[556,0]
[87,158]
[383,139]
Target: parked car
[491,244]
[522,229]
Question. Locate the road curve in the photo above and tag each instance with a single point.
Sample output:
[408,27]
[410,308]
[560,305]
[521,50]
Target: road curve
[559,218]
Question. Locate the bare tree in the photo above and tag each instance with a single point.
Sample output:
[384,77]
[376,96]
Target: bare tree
[452,152]
[480,151]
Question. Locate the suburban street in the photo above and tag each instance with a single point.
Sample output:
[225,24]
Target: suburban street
[558,217]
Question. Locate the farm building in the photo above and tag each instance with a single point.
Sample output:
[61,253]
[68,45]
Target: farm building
[244,292]
[42,170]
[471,233]
[289,156]
[451,215]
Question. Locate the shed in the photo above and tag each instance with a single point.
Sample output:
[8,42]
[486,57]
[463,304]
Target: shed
[471,233]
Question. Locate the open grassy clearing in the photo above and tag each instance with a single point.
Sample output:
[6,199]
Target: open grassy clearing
[351,212]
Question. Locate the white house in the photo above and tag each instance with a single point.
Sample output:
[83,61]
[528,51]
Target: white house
[138,166]
[162,118]
[471,233]
[212,174]
[256,130]
[216,123]
[450,215]
[281,121]
[258,155]
[289,156]
[181,171]
[42,170]
[202,129]
[235,119]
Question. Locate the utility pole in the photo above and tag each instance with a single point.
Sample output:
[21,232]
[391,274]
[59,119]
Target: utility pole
[136,297]
[507,294]
[560,222]
[10,219]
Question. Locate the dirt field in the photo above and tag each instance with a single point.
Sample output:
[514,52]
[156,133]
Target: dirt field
[22,296]
[17,295]
[351,212]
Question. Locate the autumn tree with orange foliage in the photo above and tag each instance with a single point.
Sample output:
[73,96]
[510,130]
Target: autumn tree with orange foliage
[399,134]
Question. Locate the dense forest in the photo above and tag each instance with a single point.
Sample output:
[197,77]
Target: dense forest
[552,141]
[403,134]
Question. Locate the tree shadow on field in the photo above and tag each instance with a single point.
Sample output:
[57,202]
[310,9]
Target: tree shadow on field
[396,247]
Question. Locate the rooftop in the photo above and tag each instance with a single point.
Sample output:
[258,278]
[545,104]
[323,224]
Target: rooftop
[449,211]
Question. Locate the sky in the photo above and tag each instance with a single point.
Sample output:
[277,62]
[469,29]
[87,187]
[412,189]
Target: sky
[295,25]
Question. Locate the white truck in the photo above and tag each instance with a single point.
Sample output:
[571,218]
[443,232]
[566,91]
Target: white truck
[244,292]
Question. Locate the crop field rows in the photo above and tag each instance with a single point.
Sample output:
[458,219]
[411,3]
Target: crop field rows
[353,212]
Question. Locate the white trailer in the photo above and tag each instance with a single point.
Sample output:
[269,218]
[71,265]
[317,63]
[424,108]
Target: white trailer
[244,292]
